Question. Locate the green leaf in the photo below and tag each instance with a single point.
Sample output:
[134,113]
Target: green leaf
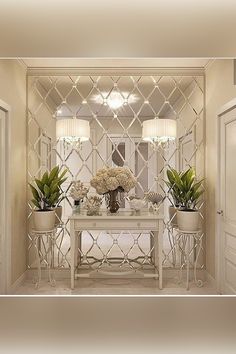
[36,203]
[39,184]
[197,185]
[63,174]
[34,192]
[170,176]
[53,173]
[44,179]
[53,198]
[46,190]
[62,181]
[54,187]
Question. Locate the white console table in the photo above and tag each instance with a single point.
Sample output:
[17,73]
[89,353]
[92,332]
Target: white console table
[123,220]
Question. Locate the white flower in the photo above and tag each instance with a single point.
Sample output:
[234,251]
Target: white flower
[112,183]
[108,179]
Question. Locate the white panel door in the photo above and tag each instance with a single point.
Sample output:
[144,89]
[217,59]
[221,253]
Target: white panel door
[228,202]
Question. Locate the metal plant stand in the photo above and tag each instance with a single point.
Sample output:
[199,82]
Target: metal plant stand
[184,239]
[48,256]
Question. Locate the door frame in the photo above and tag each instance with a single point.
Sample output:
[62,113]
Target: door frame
[231,105]
[6,240]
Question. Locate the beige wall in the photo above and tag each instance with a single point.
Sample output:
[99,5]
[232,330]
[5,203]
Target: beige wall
[219,90]
[13,92]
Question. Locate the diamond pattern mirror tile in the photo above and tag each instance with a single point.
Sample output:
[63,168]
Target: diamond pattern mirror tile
[115,107]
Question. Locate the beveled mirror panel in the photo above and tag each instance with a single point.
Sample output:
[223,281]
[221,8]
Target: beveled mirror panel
[116,108]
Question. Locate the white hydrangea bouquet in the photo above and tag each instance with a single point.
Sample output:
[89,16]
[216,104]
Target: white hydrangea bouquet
[110,181]
[111,178]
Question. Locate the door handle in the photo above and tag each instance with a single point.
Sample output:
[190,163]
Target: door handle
[220,212]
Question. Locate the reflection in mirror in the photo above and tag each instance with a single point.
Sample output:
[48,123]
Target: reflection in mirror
[115,108]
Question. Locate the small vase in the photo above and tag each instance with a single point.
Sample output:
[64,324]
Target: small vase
[77,206]
[113,204]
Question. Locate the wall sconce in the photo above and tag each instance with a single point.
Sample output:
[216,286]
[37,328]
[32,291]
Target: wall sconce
[72,130]
[159,130]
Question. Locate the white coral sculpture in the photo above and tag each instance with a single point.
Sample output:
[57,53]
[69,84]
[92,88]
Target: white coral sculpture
[78,191]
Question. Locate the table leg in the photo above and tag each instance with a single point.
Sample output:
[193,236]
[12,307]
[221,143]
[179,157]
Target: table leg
[72,253]
[160,254]
[78,249]
[152,245]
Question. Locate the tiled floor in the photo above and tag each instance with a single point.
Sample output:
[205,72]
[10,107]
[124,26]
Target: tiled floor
[114,287]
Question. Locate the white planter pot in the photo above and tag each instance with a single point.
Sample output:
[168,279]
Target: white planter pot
[188,220]
[58,215]
[173,215]
[44,220]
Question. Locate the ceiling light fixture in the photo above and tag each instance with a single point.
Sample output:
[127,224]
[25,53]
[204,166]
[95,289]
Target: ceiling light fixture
[115,99]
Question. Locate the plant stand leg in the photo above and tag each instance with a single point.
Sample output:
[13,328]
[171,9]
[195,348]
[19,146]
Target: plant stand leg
[51,260]
[198,282]
[188,261]
[37,284]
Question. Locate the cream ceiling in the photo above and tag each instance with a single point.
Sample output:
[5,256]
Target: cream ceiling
[117,28]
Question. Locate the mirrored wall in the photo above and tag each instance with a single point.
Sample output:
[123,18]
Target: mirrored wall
[116,107]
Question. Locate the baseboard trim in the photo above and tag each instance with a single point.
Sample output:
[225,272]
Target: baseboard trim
[211,281]
[61,274]
[17,283]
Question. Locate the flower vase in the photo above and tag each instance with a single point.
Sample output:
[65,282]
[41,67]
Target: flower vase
[113,204]
[77,206]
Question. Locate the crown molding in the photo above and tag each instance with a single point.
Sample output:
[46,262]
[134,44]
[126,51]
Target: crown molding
[115,71]
[22,63]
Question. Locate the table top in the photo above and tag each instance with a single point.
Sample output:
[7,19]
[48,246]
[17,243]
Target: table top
[122,214]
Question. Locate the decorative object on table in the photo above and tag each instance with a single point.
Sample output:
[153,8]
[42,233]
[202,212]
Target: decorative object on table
[46,197]
[136,203]
[155,199]
[175,194]
[110,181]
[188,193]
[93,204]
[78,192]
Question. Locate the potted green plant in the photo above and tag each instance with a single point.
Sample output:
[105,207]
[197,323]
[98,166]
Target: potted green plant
[175,194]
[189,193]
[46,197]
[58,178]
